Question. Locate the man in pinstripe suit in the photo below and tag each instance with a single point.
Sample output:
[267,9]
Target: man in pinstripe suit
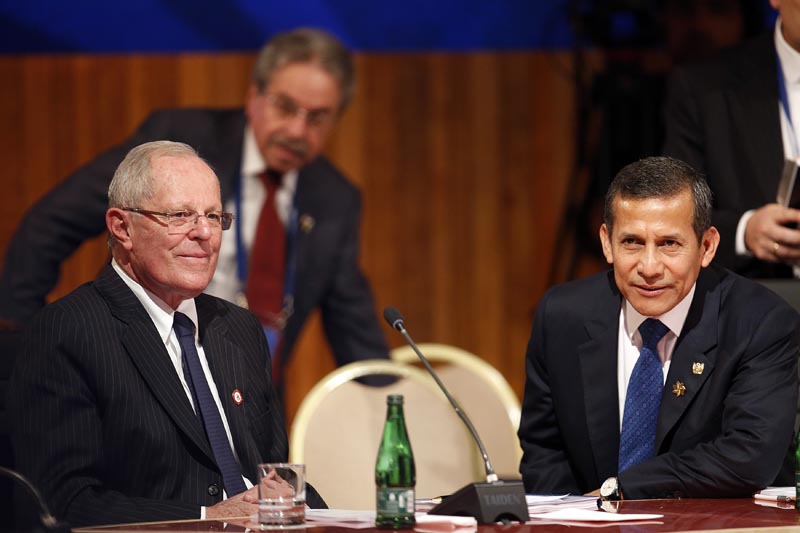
[105,419]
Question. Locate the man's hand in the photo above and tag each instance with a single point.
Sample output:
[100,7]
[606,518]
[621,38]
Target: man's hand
[768,238]
[242,505]
[274,486]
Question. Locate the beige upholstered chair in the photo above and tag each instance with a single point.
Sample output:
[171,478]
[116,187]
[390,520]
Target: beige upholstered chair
[339,425]
[483,394]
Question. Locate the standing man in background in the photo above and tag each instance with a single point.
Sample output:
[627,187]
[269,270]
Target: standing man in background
[295,240]
[736,118]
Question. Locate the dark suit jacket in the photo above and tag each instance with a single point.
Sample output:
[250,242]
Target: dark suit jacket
[725,437]
[328,274]
[722,118]
[101,422]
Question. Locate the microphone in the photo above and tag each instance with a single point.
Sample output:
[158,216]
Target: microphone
[47,520]
[493,501]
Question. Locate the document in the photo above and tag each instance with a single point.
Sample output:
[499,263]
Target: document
[788,188]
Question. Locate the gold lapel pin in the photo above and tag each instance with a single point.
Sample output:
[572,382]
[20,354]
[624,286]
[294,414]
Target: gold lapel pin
[697,368]
[306,223]
[679,389]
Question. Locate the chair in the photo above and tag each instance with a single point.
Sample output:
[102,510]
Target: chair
[484,395]
[339,424]
[788,289]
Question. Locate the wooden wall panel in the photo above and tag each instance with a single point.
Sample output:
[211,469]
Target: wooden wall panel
[463,160]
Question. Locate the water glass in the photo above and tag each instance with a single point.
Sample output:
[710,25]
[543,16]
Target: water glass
[281,495]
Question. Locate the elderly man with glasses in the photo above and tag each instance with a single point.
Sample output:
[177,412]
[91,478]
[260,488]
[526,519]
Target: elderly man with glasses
[137,397]
[294,243]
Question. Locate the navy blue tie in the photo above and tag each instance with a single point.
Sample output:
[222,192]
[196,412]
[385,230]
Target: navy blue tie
[638,435]
[207,407]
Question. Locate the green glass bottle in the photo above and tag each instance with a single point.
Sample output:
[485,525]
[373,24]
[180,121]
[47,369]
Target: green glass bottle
[797,473]
[395,476]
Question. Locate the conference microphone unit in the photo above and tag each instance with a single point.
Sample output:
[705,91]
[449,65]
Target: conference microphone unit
[47,522]
[493,501]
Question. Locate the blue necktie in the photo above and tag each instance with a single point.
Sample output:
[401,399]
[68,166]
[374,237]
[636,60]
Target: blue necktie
[638,435]
[207,407]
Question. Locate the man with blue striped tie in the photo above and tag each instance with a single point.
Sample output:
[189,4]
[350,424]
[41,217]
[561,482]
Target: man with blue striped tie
[666,376]
[136,397]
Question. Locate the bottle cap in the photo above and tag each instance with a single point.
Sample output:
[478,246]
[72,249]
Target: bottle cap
[394,399]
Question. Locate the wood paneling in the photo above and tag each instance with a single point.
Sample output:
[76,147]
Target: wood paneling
[463,160]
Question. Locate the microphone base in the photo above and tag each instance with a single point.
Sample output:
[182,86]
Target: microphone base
[502,501]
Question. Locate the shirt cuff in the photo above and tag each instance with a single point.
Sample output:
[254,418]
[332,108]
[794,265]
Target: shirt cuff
[202,512]
[741,247]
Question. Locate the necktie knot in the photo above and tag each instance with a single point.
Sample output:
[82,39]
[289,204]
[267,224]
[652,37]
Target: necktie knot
[272,179]
[183,325]
[652,331]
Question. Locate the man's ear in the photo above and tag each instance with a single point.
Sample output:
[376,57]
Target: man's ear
[709,244]
[605,240]
[118,224]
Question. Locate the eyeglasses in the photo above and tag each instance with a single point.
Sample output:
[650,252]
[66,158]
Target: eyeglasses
[286,108]
[180,222]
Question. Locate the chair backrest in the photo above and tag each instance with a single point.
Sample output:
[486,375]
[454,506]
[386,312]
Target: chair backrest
[483,394]
[788,289]
[338,427]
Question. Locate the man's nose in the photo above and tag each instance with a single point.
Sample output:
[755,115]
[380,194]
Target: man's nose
[202,228]
[650,264]
[298,123]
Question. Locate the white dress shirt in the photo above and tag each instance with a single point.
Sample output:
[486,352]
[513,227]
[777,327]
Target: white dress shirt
[225,284]
[630,342]
[163,317]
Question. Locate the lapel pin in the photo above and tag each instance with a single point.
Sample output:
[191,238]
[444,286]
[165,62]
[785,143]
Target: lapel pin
[237,397]
[306,223]
[679,389]
[697,368]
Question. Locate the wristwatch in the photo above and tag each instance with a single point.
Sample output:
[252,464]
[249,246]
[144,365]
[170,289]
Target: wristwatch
[610,490]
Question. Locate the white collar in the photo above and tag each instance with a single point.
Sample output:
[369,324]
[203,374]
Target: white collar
[161,313]
[674,319]
[789,57]
[253,162]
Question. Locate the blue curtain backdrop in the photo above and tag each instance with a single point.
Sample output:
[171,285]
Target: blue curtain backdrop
[98,26]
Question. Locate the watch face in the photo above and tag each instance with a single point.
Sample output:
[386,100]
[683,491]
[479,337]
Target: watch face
[609,487]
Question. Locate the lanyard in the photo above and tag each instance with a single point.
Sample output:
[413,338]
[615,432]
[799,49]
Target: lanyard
[291,261]
[784,97]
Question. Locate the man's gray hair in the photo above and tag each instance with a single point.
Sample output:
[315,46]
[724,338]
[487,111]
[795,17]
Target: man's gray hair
[133,182]
[307,45]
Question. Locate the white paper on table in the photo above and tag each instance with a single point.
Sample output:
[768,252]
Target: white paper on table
[350,518]
[773,493]
[584,515]
[355,519]
[546,504]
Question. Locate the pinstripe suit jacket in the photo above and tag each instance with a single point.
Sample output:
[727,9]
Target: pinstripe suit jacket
[101,423]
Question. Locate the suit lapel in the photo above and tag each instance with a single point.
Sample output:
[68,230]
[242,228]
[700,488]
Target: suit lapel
[694,346]
[227,364]
[148,353]
[598,363]
[306,219]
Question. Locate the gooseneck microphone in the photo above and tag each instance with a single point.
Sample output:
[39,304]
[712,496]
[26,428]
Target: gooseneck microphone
[488,502]
[47,521]
[395,319]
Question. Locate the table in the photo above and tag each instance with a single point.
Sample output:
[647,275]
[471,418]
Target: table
[679,515]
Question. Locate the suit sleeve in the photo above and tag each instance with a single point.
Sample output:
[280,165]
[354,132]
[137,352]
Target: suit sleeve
[545,467]
[348,307]
[757,423]
[58,429]
[686,140]
[58,224]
